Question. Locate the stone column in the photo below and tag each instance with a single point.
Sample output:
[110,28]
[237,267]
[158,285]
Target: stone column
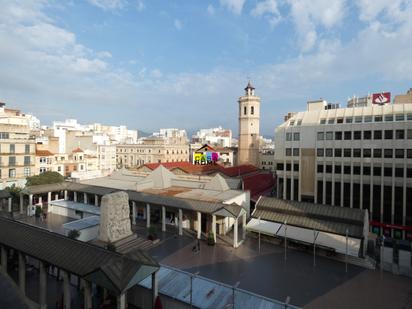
[235,233]
[84,198]
[30,199]
[40,200]
[244,226]
[214,226]
[199,225]
[66,195]
[121,301]
[4,259]
[87,294]
[155,292]
[180,222]
[163,219]
[134,212]
[147,215]
[22,273]
[42,286]
[74,196]
[96,200]
[56,196]
[21,203]
[66,290]
[9,205]
[49,197]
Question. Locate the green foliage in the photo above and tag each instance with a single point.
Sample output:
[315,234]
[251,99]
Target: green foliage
[211,239]
[44,178]
[38,211]
[74,234]
[14,191]
[111,247]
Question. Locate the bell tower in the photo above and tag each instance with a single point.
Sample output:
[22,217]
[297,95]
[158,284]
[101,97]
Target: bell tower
[249,122]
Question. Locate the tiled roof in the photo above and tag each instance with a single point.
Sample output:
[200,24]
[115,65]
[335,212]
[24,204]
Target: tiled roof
[43,153]
[78,149]
[258,184]
[325,218]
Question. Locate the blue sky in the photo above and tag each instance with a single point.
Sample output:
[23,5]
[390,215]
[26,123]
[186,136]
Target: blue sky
[151,63]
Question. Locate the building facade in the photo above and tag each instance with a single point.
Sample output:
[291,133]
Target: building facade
[357,157]
[249,122]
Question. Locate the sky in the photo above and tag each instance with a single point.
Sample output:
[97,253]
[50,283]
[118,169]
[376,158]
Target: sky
[152,64]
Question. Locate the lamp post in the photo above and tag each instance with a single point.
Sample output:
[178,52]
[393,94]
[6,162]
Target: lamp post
[259,234]
[286,240]
[314,247]
[191,287]
[287,301]
[346,252]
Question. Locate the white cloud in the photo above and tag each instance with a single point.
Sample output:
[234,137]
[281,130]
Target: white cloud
[140,6]
[235,6]
[269,9]
[104,54]
[156,73]
[211,9]
[108,4]
[178,24]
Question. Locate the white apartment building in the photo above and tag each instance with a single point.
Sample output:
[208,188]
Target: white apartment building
[214,137]
[359,157]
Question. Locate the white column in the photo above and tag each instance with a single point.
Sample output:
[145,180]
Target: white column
[87,294]
[9,204]
[235,234]
[147,215]
[121,301]
[214,226]
[21,203]
[74,196]
[134,212]
[292,181]
[180,221]
[56,196]
[30,199]
[4,259]
[244,226]
[163,219]
[154,288]
[66,290]
[22,273]
[66,196]
[96,200]
[199,225]
[40,200]
[48,197]
[84,197]
[42,286]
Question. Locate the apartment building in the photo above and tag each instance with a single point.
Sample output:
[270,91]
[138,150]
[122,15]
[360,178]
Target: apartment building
[359,157]
[17,148]
[153,150]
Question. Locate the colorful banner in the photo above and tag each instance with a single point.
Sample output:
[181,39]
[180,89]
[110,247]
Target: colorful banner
[381,98]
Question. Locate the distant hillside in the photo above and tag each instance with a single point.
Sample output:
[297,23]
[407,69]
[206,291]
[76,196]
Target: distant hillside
[143,134]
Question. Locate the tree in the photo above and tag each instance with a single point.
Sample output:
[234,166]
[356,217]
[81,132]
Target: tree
[14,191]
[44,178]
[73,234]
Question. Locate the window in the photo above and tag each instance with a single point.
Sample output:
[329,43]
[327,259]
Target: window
[292,123]
[367,134]
[321,136]
[378,118]
[329,136]
[26,171]
[288,152]
[26,160]
[296,167]
[357,135]
[295,152]
[346,169]
[12,173]
[12,148]
[288,136]
[322,121]
[320,168]
[387,172]
[388,153]
[409,172]
[377,171]
[366,170]
[12,161]
[348,119]
[338,169]
[26,149]
[347,152]
[400,117]
[296,136]
[348,135]
[377,153]
[367,153]
[279,166]
[339,120]
[329,152]
[288,166]
[409,153]
[252,110]
[338,135]
[399,153]
[409,134]
[400,134]
[331,121]
[377,134]
[320,152]
[299,122]
[399,172]
[388,117]
[388,134]
[244,110]
[368,119]
[4,135]
[329,169]
[358,119]
[409,116]
[357,152]
[338,152]
[356,170]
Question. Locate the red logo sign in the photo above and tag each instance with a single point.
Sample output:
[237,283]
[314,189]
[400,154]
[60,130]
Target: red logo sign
[381,98]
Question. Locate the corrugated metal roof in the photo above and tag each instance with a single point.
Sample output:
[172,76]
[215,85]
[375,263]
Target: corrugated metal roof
[77,257]
[325,218]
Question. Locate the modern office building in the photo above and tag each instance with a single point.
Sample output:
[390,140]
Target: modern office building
[358,157]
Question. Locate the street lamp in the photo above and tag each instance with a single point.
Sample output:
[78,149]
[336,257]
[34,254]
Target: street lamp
[259,234]
[286,240]
[191,287]
[346,252]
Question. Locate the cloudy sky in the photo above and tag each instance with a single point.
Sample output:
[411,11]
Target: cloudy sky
[157,63]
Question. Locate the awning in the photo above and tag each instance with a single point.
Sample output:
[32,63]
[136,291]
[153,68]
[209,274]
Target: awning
[262,226]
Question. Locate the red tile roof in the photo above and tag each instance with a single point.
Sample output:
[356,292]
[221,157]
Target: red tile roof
[43,153]
[77,150]
[259,184]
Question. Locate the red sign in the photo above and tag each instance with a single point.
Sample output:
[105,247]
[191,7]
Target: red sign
[381,98]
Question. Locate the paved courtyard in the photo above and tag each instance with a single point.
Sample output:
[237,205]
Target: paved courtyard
[267,273]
